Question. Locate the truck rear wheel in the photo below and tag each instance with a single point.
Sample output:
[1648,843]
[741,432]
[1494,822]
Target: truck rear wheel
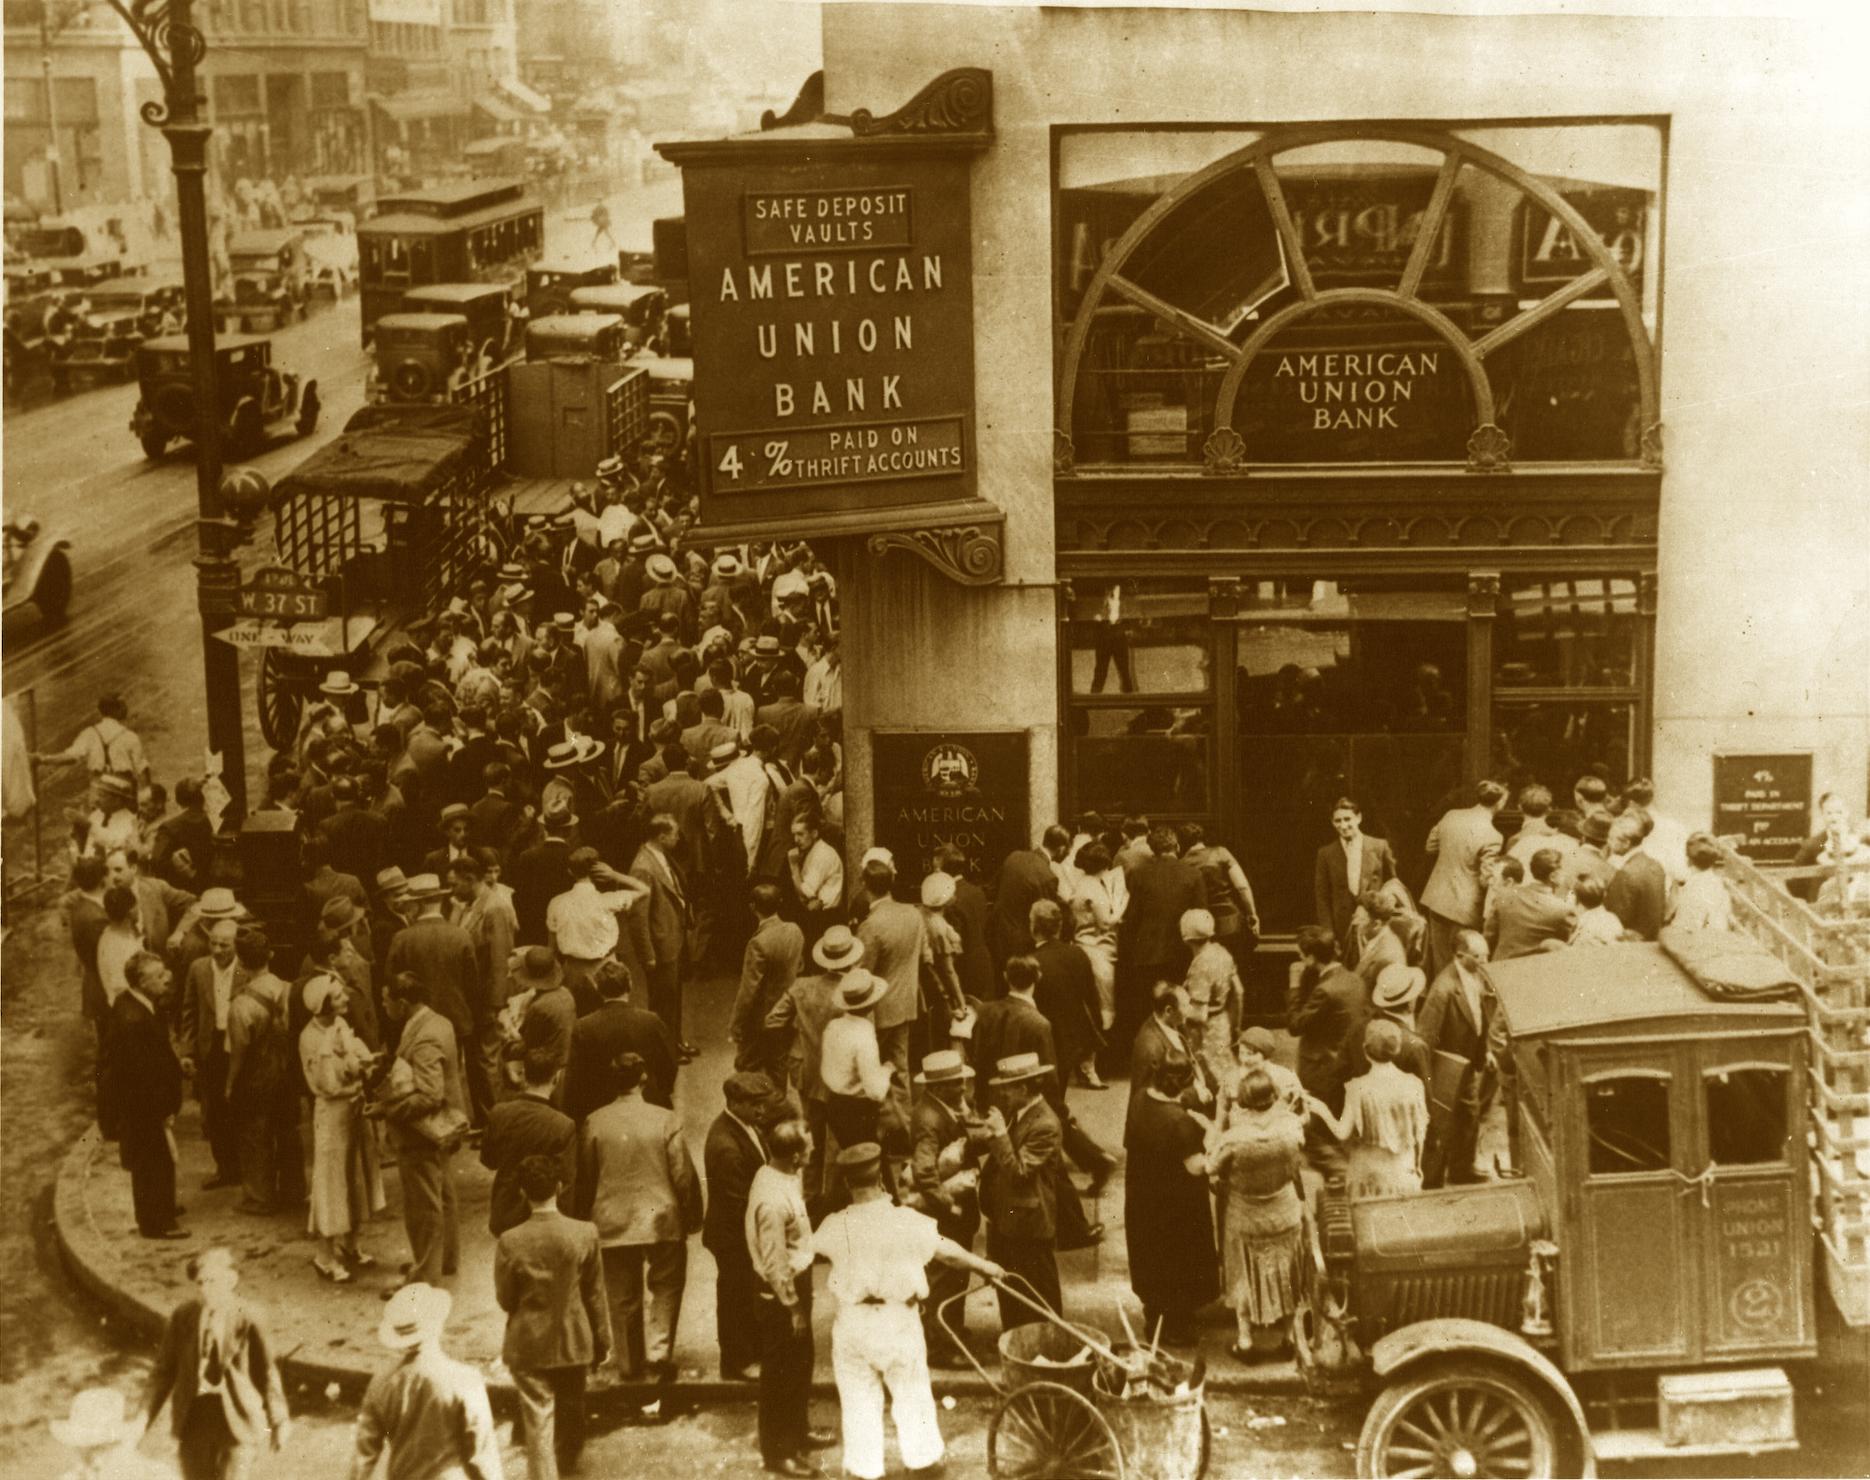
[1460,1418]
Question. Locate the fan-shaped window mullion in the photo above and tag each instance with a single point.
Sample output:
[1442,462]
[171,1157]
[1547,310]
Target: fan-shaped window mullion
[1195,328]
[1275,193]
[1430,230]
[1547,307]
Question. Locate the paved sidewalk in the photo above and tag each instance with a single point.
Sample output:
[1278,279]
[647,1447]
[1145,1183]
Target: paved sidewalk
[329,1332]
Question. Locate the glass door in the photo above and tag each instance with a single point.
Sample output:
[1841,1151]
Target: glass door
[1344,689]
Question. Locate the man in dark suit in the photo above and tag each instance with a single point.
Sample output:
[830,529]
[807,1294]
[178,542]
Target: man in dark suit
[144,1090]
[1835,839]
[1026,876]
[1530,914]
[668,916]
[356,839]
[1327,1008]
[768,969]
[734,1151]
[542,872]
[970,915]
[938,1123]
[494,819]
[1164,1036]
[548,1276]
[1067,990]
[212,1339]
[454,823]
[524,1126]
[1639,894]
[1019,1183]
[1335,893]
[1012,1024]
[1149,941]
[1458,1017]
[617,1027]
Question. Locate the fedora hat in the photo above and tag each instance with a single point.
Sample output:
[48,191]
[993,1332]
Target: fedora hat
[1397,987]
[536,967]
[424,886]
[837,948]
[219,904]
[661,569]
[861,990]
[391,882]
[1017,1069]
[415,1314]
[96,1421]
[944,1066]
[337,915]
[338,684]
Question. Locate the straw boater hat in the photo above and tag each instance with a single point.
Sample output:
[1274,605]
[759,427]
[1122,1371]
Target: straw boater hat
[515,573]
[96,1421]
[722,754]
[454,810]
[424,886]
[318,990]
[727,566]
[837,948]
[416,1313]
[578,751]
[610,468]
[643,538]
[661,569]
[861,990]
[1397,987]
[1017,1069]
[564,621]
[1197,925]
[944,1066]
[219,904]
[338,685]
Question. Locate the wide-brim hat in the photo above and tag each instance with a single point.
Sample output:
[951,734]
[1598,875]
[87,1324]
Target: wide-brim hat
[425,886]
[727,566]
[339,684]
[660,569]
[944,1066]
[536,967]
[860,991]
[218,904]
[1397,986]
[578,751]
[96,1420]
[391,881]
[1019,1068]
[837,948]
[338,914]
[415,1313]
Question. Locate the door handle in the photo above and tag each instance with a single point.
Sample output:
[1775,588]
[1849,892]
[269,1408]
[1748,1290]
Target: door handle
[1702,1180]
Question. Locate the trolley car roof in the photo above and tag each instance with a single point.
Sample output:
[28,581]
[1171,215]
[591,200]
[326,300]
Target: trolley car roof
[1619,985]
[407,223]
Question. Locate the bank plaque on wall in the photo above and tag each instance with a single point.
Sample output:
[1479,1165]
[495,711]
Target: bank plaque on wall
[832,302]
[933,789]
[1763,804]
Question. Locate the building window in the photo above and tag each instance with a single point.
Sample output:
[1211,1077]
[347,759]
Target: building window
[1343,294]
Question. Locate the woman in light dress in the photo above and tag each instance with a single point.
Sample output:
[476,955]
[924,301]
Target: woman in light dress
[346,1187]
[1254,1164]
[1702,903]
[1385,1119]
[1097,905]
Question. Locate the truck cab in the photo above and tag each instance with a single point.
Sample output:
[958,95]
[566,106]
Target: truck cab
[1633,1285]
[641,308]
[590,336]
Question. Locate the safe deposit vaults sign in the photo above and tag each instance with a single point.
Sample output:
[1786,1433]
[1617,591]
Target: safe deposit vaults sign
[833,328]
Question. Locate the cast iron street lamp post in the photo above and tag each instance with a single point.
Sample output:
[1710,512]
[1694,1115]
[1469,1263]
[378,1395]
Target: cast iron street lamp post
[176,47]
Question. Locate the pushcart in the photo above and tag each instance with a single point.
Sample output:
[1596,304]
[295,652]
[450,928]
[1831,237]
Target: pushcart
[1074,1406]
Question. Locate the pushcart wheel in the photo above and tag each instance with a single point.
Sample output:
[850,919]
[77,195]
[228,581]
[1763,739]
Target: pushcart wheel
[281,702]
[1045,1431]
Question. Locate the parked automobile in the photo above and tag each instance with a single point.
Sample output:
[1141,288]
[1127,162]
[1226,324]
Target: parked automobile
[271,278]
[351,195]
[254,394]
[37,323]
[112,320]
[640,306]
[421,357]
[37,568]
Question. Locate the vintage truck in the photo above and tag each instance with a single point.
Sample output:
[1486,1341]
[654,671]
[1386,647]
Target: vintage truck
[1640,1283]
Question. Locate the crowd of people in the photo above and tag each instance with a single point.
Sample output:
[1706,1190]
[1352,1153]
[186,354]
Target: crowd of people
[610,773]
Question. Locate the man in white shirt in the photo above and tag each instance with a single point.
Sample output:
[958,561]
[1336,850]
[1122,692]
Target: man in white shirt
[212,982]
[736,702]
[817,877]
[779,1240]
[105,745]
[739,785]
[855,1076]
[583,921]
[824,680]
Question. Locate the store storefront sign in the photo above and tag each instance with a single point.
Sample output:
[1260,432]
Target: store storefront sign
[833,328]
[1763,804]
[1549,251]
[962,789]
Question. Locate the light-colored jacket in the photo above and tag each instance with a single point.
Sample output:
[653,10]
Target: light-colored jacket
[1464,843]
[635,1175]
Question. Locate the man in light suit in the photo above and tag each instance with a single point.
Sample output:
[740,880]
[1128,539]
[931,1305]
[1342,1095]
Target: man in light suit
[1334,889]
[433,1084]
[668,918]
[207,998]
[212,1338]
[549,1279]
[1459,1016]
[1639,894]
[1464,844]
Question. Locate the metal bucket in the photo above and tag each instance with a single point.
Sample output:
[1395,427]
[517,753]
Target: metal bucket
[1163,1436]
[1069,1361]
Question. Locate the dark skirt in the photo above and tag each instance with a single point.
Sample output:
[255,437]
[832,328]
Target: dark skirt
[1168,1219]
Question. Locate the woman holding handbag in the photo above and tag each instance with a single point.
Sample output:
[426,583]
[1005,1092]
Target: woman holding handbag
[346,1188]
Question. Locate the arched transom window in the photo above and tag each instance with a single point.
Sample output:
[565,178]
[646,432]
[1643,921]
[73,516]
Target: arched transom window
[1359,294]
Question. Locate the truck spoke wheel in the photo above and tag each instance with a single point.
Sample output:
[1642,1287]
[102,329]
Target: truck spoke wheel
[1462,1419]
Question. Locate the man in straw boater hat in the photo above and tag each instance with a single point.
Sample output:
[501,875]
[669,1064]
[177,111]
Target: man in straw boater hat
[944,1176]
[879,1255]
[1019,1183]
[428,1410]
[1397,990]
[98,1432]
[666,593]
[217,1373]
[856,1078]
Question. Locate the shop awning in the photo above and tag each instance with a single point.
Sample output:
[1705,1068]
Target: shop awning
[964,539]
[498,109]
[412,107]
[531,101]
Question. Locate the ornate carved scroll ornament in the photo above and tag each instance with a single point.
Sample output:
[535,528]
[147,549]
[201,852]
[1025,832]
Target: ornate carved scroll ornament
[967,554]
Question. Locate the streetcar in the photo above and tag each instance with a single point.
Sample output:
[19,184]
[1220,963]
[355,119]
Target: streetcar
[467,231]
